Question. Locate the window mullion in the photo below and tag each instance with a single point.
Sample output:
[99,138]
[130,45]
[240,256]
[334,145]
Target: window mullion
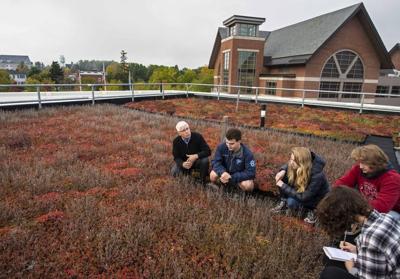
[337,65]
[351,65]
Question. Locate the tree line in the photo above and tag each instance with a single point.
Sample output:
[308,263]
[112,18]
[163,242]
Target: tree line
[116,73]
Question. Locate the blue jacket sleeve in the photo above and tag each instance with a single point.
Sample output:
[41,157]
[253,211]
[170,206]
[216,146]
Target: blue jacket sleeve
[249,171]
[218,162]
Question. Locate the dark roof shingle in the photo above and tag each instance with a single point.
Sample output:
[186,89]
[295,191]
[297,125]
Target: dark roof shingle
[304,38]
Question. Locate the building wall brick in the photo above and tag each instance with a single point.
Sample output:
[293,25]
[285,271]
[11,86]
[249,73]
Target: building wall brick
[395,56]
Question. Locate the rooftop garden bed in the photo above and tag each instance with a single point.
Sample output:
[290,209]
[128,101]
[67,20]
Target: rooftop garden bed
[86,192]
[331,123]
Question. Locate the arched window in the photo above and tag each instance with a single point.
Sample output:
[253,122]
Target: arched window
[343,71]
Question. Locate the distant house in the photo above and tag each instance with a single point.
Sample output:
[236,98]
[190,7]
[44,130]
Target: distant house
[337,51]
[93,76]
[11,62]
[19,78]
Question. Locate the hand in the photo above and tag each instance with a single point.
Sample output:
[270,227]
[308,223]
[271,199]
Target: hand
[192,157]
[187,164]
[225,177]
[349,265]
[279,183]
[280,175]
[346,246]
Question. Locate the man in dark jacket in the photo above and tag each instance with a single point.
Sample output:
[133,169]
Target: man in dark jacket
[190,152]
[234,163]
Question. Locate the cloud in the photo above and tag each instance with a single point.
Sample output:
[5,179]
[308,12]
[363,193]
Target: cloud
[169,32]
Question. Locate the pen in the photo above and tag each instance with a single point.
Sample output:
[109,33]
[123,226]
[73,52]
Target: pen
[344,239]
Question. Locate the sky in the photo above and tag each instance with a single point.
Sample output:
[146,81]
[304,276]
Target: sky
[163,32]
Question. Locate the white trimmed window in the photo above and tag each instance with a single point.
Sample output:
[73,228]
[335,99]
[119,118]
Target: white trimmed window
[344,71]
[225,69]
[271,87]
[246,69]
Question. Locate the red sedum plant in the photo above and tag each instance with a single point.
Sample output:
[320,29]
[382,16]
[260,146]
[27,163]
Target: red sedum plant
[86,193]
[331,123]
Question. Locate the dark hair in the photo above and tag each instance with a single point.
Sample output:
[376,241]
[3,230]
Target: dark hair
[337,211]
[233,133]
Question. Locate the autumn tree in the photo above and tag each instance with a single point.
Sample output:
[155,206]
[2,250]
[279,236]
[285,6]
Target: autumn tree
[4,79]
[204,76]
[22,68]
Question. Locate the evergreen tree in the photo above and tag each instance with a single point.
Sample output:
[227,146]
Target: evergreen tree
[56,73]
[124,65]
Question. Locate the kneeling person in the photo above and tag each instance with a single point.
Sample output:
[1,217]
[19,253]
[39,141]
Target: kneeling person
[190,152]
[234,163]
[302,182]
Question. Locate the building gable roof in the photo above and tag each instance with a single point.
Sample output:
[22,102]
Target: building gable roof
[297,43]
[15,59]
[396,47]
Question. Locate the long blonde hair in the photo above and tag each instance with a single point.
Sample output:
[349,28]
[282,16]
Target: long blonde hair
[300,177]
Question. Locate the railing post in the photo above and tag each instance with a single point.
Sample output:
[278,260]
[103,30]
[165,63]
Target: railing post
[237,100]
[256,95]
[262,115]
[218,91]
[39,97]
[162,90]
[133,92]
[302,99]
[187,90]
[93,95]
[362,102]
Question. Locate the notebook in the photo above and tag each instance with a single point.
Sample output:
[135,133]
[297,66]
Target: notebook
[338,254]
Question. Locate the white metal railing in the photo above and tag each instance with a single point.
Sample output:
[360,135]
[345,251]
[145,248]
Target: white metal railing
[130,90]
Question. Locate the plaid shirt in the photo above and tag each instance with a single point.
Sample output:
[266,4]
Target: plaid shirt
[378,247]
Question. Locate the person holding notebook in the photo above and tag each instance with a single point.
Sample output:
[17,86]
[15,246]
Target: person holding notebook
[377,246]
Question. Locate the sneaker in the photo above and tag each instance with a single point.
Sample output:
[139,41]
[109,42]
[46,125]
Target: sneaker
[212,186]
[280,208]
[310,218]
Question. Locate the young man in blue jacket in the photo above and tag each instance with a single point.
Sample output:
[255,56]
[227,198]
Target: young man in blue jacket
[233,163]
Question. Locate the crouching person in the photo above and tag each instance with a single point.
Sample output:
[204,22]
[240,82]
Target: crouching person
[302,183]
[233,164]
[190,152]
[378,244]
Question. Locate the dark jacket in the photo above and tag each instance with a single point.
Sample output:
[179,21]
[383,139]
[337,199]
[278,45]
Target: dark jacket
[317,187]
[240,165]
[197,145]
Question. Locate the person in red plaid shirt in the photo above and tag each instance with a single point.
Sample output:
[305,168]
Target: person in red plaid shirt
[378,244]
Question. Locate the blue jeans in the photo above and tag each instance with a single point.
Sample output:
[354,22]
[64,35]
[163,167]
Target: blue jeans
[295,204]
[394,214]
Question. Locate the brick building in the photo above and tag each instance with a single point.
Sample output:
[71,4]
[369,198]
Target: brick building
[338,51]
[395,56]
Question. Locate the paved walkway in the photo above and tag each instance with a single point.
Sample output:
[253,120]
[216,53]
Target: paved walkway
[31,98]
[386,144]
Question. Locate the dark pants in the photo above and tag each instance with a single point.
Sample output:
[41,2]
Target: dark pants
[335,272]
[296,204]
[201,165]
